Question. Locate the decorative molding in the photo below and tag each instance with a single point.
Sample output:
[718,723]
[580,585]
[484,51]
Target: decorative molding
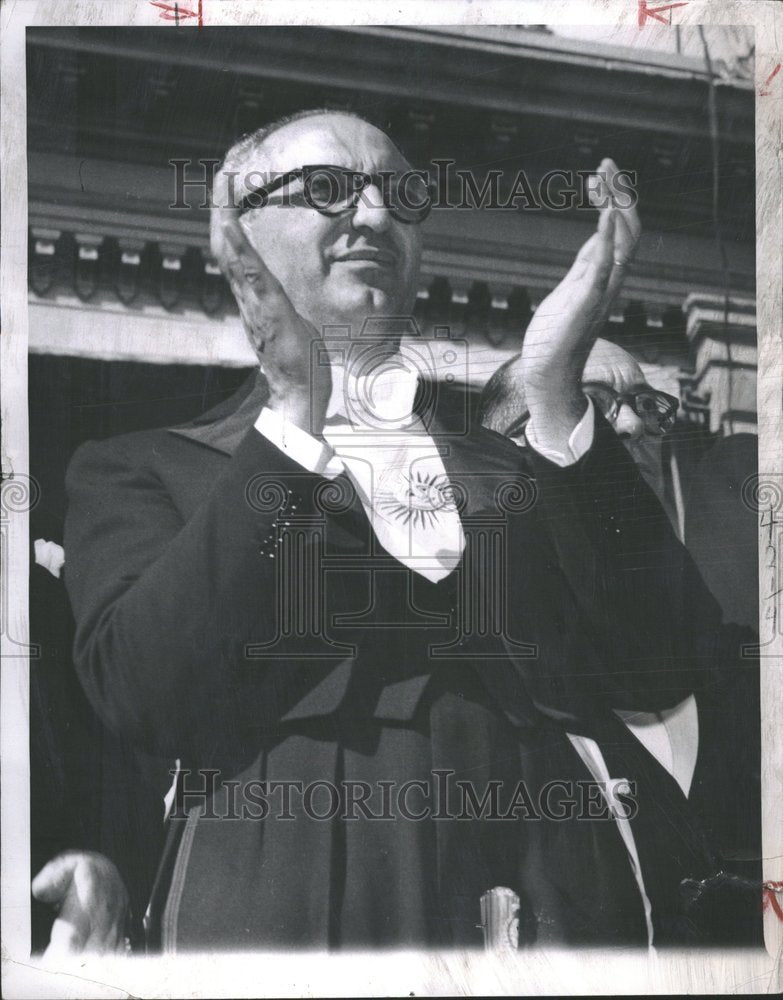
[707,316]
[724,358]
[127,273]
[86,265]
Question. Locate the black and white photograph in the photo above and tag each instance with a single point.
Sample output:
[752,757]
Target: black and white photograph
[392,492]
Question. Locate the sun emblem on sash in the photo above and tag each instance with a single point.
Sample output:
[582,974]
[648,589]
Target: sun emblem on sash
[419,499]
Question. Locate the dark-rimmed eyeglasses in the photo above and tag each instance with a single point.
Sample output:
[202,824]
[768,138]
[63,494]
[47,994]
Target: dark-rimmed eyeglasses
[332,190]
[657,410]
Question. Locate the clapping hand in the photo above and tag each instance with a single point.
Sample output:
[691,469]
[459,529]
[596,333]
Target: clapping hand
[567,322]
[280,336]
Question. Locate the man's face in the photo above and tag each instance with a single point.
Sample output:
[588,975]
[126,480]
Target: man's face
[611,366]
[614,367]
[337,269]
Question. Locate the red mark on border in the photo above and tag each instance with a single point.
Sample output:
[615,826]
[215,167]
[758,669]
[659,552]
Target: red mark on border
[174,12]
[771,889]
[768,81]
[655,13]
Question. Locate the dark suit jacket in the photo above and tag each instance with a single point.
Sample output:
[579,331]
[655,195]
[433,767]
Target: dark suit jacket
[236,611]
[88,791]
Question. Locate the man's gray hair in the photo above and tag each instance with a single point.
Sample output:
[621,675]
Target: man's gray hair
[241,160]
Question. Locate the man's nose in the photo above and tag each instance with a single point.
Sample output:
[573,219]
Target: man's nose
[628,424]
[370,211]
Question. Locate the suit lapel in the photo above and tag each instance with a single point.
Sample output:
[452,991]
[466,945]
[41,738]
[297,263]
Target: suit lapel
[224,426]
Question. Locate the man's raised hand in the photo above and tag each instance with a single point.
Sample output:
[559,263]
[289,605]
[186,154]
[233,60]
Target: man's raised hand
[567,322]
[280,336]
[627,231]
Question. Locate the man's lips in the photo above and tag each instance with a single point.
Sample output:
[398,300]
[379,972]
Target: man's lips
[368,255]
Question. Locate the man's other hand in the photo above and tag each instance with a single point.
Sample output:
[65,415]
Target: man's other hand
[91,900]
[567,322]
[299,382]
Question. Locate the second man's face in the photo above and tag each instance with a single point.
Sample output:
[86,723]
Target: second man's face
[343,268]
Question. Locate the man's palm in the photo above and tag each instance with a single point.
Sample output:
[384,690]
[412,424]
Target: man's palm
[281,337]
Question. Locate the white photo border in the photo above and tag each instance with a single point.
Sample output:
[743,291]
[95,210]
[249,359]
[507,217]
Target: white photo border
[374,974]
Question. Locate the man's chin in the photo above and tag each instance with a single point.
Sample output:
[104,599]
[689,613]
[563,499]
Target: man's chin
[353,306]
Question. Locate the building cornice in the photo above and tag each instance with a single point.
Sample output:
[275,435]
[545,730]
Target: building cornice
[624,88]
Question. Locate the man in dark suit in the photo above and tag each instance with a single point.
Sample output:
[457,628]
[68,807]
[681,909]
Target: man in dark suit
[364,629]
[709,744]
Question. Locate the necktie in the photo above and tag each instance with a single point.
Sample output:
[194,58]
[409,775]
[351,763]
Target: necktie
[396,468]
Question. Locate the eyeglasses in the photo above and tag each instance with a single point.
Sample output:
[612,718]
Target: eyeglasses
[332,190]
[657,410]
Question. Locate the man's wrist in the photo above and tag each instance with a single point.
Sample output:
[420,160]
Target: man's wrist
[555,413]
[556,403]
[312,453]
[296,406]
[550,382]
[579,442]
